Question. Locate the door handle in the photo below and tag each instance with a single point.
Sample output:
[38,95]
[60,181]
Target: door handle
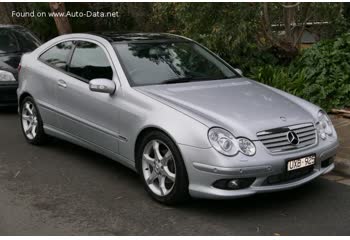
[61,83]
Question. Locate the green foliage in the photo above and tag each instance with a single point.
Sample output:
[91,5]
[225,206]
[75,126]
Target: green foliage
[88,24]
[235,32]
[321,75]
[43,27]
[228,29]
[132,17]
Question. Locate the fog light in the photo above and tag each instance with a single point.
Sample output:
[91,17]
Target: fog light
[233,184]
[327,162]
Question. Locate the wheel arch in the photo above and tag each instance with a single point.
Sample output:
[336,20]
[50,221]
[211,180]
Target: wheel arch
[23,96]
[143,133]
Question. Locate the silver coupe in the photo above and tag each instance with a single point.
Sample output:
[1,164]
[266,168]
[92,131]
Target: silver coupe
[172,110]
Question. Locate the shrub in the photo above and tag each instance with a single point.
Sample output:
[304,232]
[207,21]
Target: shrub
[228,29]
[321,74]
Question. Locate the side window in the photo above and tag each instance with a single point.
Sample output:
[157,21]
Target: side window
[57,56]
[89,61]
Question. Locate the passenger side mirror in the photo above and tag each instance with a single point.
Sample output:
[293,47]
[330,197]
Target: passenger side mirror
[239,71]
[102,85]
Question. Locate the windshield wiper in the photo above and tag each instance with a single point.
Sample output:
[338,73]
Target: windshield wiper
[177,80]
[185,79]
[233,76]
[192,79]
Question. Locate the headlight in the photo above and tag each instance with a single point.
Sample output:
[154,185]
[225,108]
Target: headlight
[225,143]
[6,76]
[246,146]
[324,125]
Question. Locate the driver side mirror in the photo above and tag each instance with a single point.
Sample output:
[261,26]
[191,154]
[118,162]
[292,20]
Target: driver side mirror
[239,71]
[102,85]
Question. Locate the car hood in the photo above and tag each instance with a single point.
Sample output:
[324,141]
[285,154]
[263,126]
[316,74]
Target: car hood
[240,105]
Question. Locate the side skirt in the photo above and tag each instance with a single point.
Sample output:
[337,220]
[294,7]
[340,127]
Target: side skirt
[52,131]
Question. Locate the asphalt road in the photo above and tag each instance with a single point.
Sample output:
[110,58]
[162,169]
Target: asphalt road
[62,189]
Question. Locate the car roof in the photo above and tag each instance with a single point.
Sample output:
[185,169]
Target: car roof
[20,28]
[117,37]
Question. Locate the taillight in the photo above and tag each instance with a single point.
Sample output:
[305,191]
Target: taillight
[19,68]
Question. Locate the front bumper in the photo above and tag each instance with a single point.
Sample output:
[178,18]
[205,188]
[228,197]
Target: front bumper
[203,172]
[8,95]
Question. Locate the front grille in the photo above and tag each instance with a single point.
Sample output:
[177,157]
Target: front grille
[276,139]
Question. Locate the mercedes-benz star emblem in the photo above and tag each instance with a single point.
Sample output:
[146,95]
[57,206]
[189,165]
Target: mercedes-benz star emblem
[293,138]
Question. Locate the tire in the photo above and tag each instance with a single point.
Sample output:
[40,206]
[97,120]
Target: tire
[36,135]
[176,190]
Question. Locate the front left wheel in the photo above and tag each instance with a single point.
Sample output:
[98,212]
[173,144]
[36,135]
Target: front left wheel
[31,122]
[162,169]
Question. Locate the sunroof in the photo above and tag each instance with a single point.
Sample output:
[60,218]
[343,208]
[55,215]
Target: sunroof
[125,37]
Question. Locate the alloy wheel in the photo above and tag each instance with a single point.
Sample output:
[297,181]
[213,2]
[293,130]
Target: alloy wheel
[29,120]
[158,166]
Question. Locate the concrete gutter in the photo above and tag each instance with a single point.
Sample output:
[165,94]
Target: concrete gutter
[342,160]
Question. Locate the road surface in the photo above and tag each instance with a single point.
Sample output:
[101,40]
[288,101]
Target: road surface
[63,189]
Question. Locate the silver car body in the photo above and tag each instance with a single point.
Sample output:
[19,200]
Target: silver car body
[111,124]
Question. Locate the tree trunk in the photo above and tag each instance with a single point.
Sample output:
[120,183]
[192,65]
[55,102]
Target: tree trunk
[289,20]
[266,21]
[5,13]
[62,22]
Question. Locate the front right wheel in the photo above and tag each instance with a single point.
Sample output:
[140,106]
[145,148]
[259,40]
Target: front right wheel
[162,169]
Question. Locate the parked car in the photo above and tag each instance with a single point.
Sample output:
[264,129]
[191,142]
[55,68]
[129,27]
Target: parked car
[170,109]
[14,41]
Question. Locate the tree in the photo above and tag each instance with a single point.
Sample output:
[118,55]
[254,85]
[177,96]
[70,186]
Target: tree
[5,17]
[283,24]
[229,29]
[287,21]
[62,22]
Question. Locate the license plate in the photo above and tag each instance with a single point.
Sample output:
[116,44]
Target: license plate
[301,163]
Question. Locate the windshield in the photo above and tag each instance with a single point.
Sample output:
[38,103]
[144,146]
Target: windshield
[17,40]
[170,62]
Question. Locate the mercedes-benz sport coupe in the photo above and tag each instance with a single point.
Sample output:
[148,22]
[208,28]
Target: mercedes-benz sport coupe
[172,110]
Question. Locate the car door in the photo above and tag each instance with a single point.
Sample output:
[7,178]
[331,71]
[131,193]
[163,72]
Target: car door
[89,116]
[51,67]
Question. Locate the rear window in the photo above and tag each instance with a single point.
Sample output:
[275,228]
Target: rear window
[8,42]
[26,40]
[17,40]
